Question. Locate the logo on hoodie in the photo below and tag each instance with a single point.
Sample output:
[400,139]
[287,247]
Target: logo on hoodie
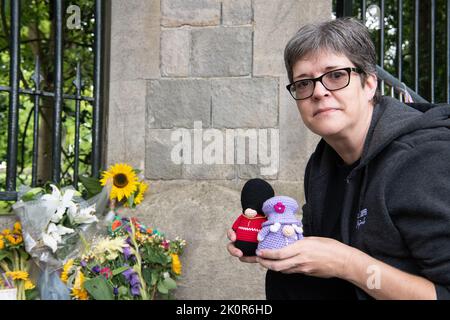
[361,218]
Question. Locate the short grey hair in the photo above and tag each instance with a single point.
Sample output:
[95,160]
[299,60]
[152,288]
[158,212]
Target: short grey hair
[346,36]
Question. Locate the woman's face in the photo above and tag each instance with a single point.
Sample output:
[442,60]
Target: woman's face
[334,114]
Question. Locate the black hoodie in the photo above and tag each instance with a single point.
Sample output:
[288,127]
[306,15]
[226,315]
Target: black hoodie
[400,190]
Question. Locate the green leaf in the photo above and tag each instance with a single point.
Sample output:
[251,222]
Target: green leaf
[32,294]
[155,257]
[31,194]
[169,283]
[154,278]
[24,255]
[91,184]
[6,254]
[130,201]
[119,270]
[99,288]
[147,275]
[162,288]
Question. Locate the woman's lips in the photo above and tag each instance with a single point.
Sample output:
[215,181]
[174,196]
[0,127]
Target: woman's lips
[325,111]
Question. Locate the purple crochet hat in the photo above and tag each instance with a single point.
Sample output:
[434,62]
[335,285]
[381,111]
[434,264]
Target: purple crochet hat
[280,209]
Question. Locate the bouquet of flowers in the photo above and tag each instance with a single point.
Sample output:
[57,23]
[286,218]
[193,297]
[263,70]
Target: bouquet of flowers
[55,225]
[132,263]
[14,264]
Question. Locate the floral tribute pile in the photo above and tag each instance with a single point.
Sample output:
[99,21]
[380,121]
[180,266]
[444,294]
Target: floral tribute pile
[82,249]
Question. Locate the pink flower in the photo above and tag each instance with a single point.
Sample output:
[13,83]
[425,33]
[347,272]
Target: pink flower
[106,272]
[279,207]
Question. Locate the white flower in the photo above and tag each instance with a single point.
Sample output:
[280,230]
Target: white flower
[58,203]
[85,215]
[53,235]
[109,248]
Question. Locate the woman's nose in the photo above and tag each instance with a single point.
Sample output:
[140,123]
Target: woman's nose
[319,90]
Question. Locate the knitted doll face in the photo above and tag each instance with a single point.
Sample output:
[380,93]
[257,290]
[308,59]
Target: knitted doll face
[250,213]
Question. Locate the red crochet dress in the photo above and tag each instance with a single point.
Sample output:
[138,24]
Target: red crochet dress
[247,228]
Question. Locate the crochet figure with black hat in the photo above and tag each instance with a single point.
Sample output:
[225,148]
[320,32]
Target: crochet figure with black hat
[254,193]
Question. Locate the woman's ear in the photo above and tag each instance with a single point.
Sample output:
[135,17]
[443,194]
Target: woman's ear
[371,85]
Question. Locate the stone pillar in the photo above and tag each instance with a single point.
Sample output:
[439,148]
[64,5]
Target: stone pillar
[204,81]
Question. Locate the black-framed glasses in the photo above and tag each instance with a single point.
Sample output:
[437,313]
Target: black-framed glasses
[332,80]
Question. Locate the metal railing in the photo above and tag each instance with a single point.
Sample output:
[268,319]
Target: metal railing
[58,96]
[418,31]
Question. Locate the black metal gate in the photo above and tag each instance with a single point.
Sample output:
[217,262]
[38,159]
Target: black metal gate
[14,91]
[412,39]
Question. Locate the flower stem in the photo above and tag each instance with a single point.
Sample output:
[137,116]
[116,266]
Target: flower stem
[139,262]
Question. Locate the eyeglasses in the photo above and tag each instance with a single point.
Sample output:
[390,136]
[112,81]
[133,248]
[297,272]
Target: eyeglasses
[332,81]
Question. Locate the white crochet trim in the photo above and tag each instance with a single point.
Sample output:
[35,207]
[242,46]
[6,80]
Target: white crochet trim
[275,227]
[298,229]
[249,229]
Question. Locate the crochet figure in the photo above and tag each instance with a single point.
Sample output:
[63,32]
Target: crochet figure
[282,227]
[248,224]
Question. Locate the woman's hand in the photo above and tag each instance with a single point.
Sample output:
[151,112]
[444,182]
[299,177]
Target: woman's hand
[235,251]
[315,256]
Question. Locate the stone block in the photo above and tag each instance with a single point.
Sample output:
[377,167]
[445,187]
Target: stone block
[126,123]
[135,40]
[176,13]
[178,103]
[275,23]
[221,52]
[255,100]
[158,161]
[237,12]
[175,50]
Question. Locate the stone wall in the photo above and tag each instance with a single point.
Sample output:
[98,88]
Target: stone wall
[207,75]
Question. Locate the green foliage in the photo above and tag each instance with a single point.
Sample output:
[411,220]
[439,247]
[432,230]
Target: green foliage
[99,288]
[37,39]
[391,25]
[92,185]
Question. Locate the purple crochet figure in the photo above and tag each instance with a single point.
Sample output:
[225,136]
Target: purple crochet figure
[282,227]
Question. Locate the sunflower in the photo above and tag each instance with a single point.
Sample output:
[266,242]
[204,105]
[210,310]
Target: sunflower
[124,180]
[140,196]
[29,285]
[78,291]
[18,275]
[66,270]
[17,227]
[14,239]
[176,264]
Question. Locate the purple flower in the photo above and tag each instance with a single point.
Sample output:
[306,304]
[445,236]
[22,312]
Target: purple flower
[126,252]
[133,279]
[136,290]
[83,263]
[128,240]
[96,269]
[128,273]
[127,228]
